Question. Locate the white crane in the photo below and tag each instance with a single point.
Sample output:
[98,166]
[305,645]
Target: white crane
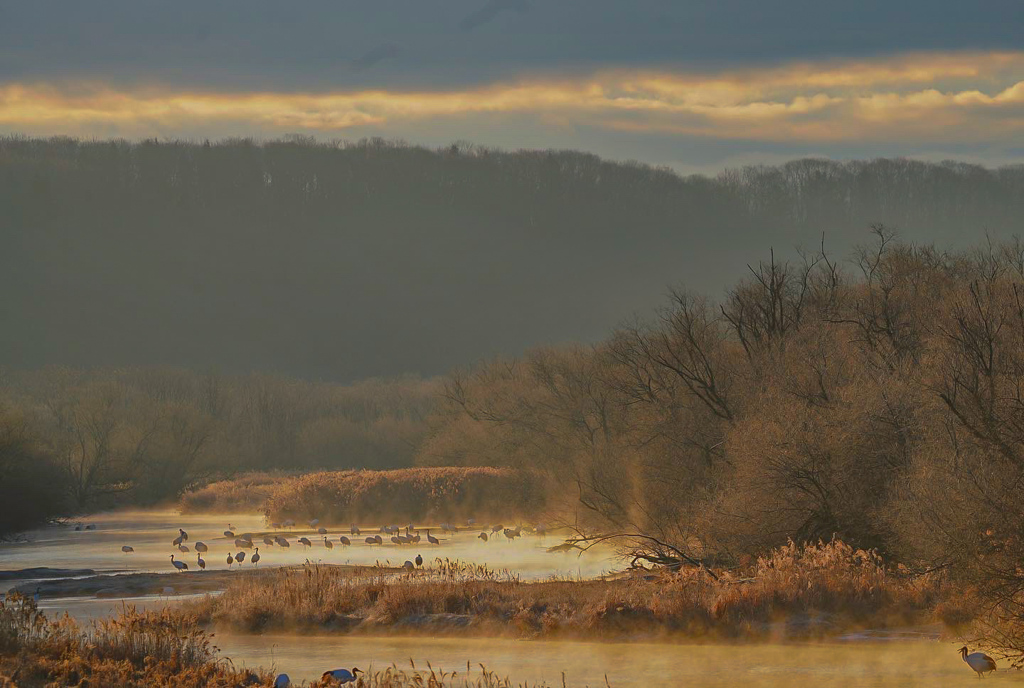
[127,548]
[342,676]
[180,565]
[200,561]
[256,557]
[979,661]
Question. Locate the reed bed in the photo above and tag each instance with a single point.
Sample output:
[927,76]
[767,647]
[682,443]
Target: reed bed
[164,650]
[132,649]
[395,676]
[409,494]
[247,492]
[811,591]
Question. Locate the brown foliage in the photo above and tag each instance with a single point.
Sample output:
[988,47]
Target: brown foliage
[814,590]
[132,649]
[411,494]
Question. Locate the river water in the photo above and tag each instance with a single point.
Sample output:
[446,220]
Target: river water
[913,660]
[151,533]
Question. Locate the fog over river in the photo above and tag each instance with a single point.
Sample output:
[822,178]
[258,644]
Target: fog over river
[912,658]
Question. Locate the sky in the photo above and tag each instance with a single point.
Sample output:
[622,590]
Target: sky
[696,85]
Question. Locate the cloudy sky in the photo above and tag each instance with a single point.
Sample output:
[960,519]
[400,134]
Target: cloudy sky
[693,84]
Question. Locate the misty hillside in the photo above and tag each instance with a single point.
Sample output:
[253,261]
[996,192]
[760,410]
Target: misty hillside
[347,261]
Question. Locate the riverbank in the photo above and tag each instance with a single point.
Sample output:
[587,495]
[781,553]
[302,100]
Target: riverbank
[814,592]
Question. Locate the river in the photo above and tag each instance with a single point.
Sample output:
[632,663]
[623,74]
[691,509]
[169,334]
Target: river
[862,661]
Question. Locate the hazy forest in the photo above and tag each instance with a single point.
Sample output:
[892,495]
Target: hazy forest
[346,261]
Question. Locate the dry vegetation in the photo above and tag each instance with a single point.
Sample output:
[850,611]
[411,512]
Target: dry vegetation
[159,650]
[411,494]
[247,492]
[72,440]
[882,405]
[131,650]
[795,592]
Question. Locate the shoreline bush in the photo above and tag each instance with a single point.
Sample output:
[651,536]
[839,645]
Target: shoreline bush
[408,494]
[811,591]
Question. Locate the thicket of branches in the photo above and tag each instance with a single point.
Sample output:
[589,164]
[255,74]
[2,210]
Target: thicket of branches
[72,440]
[880,402]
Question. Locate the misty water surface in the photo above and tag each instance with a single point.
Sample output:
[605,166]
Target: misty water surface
[850,662]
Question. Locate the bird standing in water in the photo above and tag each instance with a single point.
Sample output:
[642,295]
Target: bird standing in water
[979,661]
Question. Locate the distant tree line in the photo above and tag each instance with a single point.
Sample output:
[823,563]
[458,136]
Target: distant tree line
[343,261]
[880,402]
[75,440]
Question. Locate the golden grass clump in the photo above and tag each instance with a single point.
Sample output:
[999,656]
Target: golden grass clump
[408,494]
[796,591]
[395,676]
[246,492]
[132,649]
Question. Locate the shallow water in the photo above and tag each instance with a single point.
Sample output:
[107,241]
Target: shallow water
[861,661]
[151,534]
[628,665]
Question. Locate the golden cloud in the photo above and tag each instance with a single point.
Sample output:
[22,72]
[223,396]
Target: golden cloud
[923,95]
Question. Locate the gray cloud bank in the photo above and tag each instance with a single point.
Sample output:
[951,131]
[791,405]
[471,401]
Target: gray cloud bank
[411,43]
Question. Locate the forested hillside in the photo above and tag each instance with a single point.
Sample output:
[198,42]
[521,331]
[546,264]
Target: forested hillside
[352,260]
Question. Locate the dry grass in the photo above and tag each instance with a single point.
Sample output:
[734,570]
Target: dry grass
[409,494]
[245,493]
[161,650]
[395,676]
[132,649]
[812,591]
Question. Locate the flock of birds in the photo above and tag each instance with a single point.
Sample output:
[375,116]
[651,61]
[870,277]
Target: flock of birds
[335,676]
[396,534]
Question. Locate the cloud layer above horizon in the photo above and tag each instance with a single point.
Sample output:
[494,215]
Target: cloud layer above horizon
[687,84]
